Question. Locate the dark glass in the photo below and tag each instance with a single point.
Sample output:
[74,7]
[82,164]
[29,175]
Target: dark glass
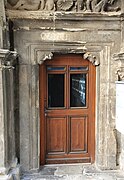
[84,68]
[77,90]
[55,90]
[50,68]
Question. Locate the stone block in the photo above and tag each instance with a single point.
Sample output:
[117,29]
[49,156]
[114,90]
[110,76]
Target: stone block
[6,177]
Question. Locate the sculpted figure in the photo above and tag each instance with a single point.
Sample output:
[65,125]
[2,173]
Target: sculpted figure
[50,5]
[84,5]
[88,5]
[33,5]
[27,5]
[103,5]
[80,5]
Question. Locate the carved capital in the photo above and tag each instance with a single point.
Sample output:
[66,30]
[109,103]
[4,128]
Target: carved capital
[7,58]
[42,56]
[88,56]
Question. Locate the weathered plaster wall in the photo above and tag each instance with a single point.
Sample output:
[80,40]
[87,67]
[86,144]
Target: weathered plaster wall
[37,34]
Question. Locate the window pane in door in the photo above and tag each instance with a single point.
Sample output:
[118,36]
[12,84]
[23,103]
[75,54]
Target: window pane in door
[77,90]
[55,90]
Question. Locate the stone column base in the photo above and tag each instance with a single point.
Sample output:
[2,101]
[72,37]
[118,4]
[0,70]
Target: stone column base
[14,174]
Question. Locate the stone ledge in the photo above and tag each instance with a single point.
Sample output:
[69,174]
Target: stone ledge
[46,15]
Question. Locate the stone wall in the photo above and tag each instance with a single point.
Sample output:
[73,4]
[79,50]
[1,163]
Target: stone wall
[36,36]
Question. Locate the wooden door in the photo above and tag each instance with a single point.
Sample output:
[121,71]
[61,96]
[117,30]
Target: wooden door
[67,110]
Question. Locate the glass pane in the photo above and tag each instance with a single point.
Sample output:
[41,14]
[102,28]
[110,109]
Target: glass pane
[50,68]
[55,90]
[85,68]
[77,90]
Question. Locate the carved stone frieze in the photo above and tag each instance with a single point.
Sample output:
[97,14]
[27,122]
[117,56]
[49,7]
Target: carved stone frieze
[65,5]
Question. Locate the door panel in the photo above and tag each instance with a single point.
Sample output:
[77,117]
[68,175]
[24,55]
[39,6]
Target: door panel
[56,135]
[67,101]
[78,134]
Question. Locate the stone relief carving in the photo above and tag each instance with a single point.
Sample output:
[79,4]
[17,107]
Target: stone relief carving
[91,58]
[42,56]
[65,5]
[120,70]
[120,73]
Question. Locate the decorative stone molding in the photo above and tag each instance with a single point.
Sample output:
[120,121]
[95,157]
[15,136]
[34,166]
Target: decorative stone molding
[120,71]
[65,5]
[42,56]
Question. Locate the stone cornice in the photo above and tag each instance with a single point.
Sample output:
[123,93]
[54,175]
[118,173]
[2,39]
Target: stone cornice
[102,16]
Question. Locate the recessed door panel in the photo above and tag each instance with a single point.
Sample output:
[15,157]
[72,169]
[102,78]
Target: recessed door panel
[67,101]
[78,134]
[56,135]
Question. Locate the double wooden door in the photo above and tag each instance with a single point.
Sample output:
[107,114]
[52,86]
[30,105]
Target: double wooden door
[67,110]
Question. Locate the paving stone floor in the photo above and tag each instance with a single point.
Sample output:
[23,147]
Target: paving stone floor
[73,172]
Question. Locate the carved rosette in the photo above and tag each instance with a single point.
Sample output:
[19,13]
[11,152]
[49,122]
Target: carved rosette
[64,5]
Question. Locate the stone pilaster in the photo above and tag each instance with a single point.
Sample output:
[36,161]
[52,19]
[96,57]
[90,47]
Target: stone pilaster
[7,124]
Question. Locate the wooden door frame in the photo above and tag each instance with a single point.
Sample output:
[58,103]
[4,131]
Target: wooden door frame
[42,71]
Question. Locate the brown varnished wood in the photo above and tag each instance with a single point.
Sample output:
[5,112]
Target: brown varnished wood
[67,134]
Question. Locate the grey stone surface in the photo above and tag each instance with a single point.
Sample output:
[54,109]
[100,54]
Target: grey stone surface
[73,172]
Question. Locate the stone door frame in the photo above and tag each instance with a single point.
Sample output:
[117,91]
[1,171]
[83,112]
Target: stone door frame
[37,53]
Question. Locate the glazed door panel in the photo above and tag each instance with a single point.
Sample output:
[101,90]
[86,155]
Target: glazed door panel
[67,103]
